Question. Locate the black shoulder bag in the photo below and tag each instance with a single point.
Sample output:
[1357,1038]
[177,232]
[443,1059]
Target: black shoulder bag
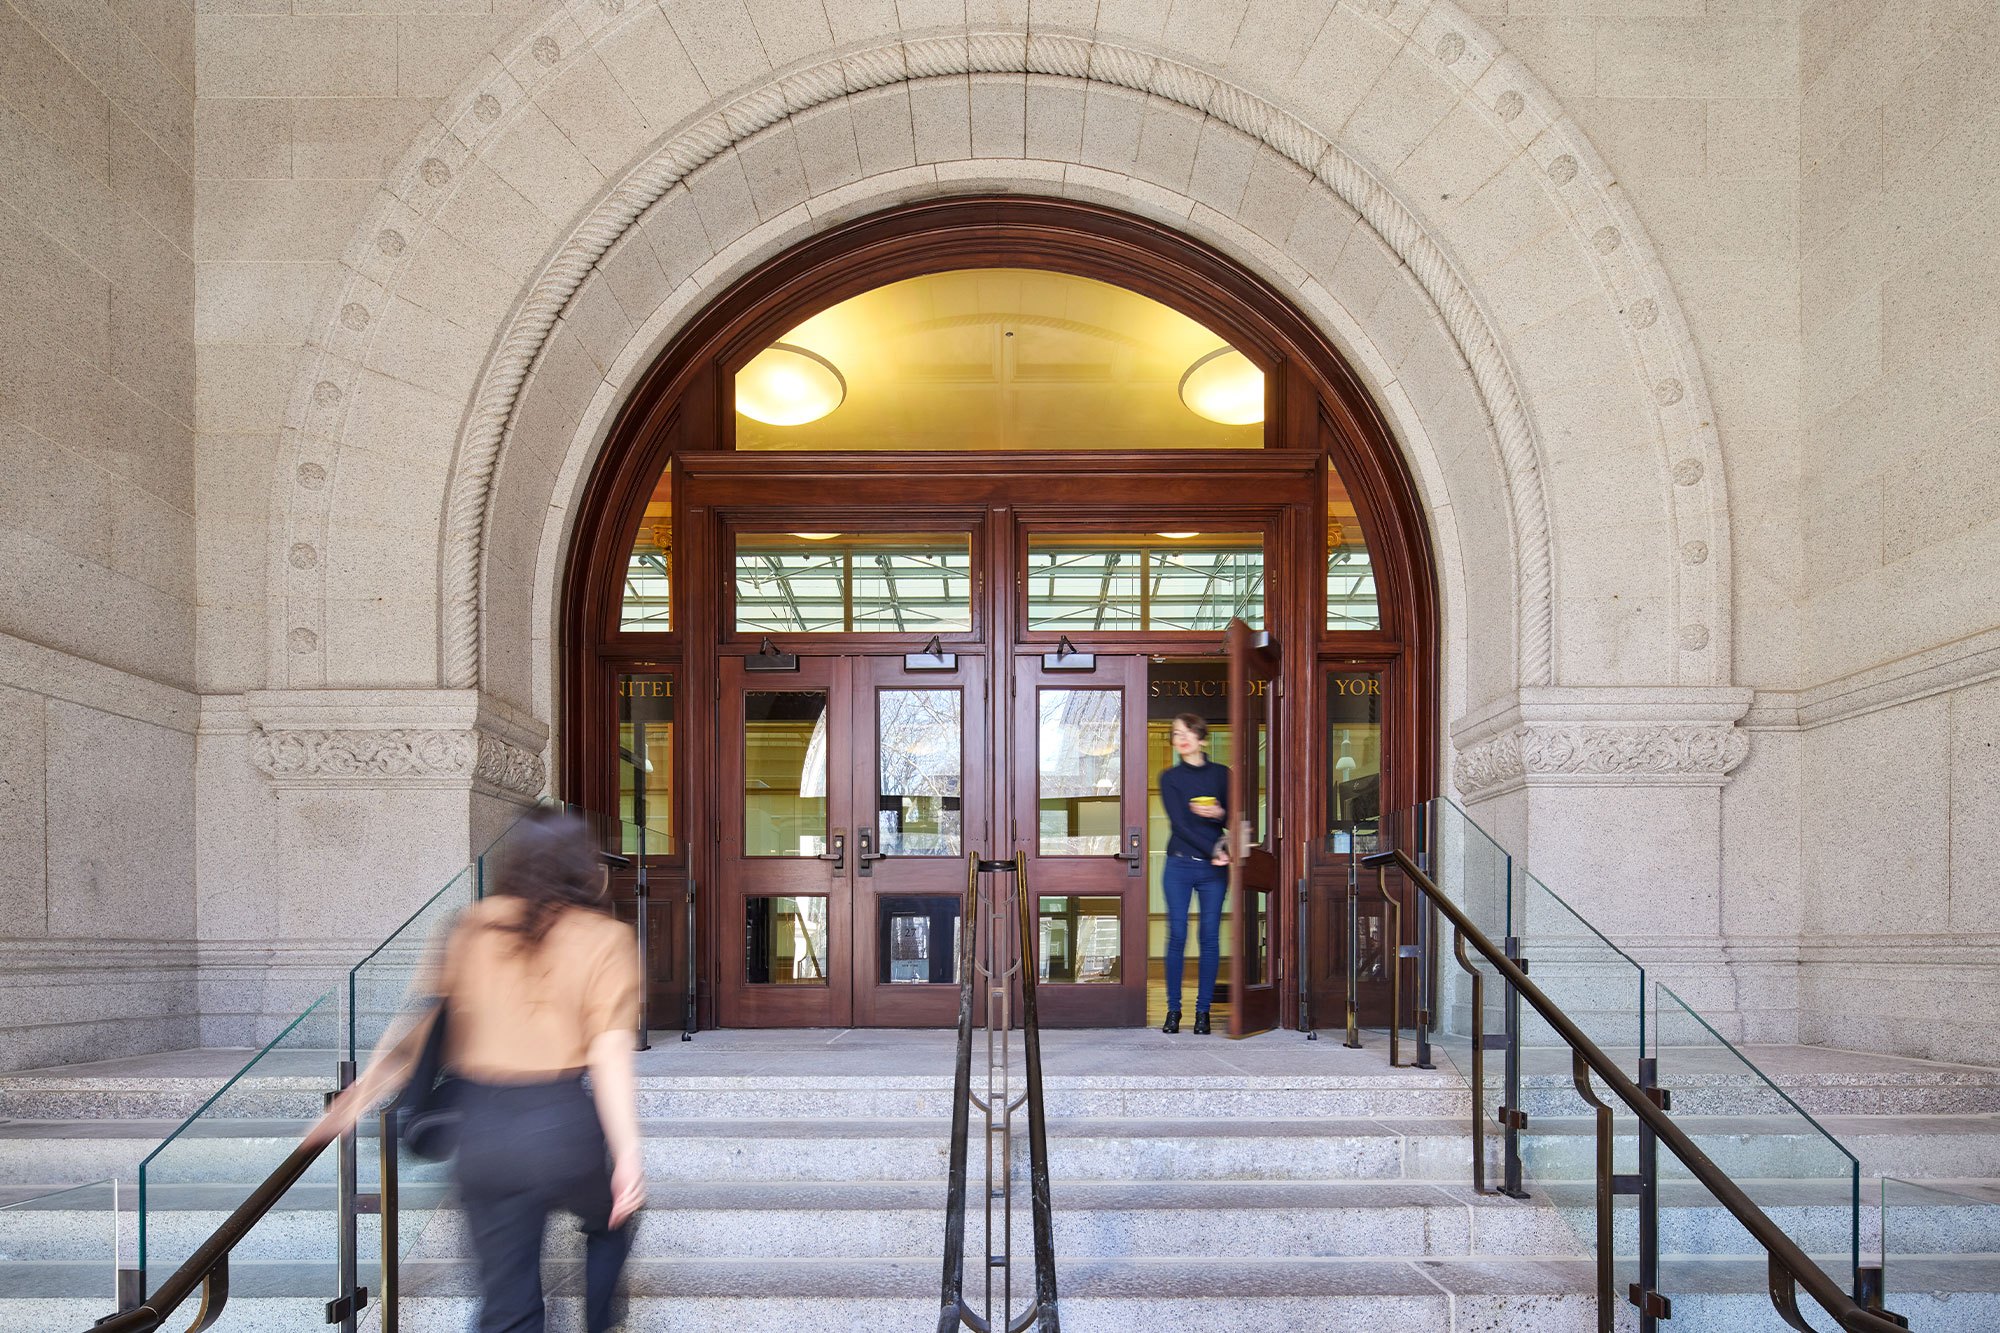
[426,1113]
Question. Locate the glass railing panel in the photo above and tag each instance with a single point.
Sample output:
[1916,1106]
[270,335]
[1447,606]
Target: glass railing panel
[1776,1153]
[218,1157]
[389,994]
[1940,1252]
[1595,984]
[58,1255]
[1467,995]
[1559,1165]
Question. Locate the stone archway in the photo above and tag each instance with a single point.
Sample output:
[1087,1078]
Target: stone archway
[1490,282]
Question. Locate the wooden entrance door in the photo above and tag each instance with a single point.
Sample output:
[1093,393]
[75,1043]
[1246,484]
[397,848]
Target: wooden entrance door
[920,763]
[1080,821]
[850,788]
[1256,872]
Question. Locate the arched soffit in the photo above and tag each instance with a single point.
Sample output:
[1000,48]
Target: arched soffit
[743,93]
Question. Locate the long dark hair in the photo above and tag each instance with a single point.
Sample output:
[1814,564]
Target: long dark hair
[550,860]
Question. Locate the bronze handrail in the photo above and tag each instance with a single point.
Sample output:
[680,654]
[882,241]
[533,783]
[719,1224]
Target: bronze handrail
[208,1267]
[1790,1268]
[1007,962]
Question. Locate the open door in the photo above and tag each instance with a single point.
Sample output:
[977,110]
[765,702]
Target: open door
[1254,870]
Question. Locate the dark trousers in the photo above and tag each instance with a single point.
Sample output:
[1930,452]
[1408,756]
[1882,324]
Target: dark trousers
[526,1151]
[1184,878]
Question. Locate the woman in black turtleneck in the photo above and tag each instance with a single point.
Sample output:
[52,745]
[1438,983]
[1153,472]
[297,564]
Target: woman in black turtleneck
[1195,795]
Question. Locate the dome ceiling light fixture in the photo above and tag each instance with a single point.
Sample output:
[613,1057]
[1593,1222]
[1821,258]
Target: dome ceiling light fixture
[784,385]
[1177,536]
[1224,387]
[813,536]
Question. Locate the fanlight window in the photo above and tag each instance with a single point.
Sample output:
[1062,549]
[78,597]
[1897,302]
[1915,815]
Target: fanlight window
[999,358]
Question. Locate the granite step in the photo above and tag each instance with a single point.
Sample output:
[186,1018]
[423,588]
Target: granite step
[832,1220]
[79,1099]
[1190,1294]
[33,1152]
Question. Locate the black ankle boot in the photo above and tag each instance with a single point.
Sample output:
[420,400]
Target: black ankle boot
[1173,1023]
[1200,1021]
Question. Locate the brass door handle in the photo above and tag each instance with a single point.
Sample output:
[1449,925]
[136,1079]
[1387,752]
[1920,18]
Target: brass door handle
[839,853]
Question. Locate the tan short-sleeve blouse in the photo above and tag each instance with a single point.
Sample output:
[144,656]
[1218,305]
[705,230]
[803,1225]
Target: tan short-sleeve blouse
[521,1014]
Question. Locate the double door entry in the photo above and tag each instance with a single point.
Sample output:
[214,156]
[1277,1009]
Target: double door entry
[853,789]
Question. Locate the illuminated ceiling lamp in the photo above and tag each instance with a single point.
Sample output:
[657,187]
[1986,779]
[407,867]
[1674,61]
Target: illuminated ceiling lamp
[1224,387]
[789,386]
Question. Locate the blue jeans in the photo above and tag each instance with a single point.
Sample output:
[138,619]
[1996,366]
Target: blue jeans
[1183,879]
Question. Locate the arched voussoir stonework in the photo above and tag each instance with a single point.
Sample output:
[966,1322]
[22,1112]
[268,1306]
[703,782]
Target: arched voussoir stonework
[1506,100]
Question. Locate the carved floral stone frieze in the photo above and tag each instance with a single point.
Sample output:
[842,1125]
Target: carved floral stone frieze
[393,756]
[1609,753]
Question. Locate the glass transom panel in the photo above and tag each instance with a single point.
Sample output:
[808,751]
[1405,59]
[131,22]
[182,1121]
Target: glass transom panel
[831,583]
[647,604]
[1144,581]
[1351,601]
[999,358]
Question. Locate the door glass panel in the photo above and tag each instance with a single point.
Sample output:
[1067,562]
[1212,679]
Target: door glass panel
[917,939]
[784,772]
[648,569]
[784,941]
[920,780]
[646,761]
[1351,602]
[1257,949]
[1354,750]
[833,582]
[999,359]
[1080,758]
[1145,581]
[1080,939]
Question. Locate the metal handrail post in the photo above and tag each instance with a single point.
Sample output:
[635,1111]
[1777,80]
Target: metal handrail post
[1512,1118]
[953,1295]
[390,1204]
[1046,1316]
[1426,984]
[345,1308]
[690,1019]
[1427,941]
[1645,1293]
[1305,946]
[642,900]
[1353,1042]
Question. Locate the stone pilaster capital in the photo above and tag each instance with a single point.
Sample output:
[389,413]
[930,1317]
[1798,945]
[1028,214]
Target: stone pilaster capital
[396,738]
[1611,736]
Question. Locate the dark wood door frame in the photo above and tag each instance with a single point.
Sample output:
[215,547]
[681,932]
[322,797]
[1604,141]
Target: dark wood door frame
[1317,412]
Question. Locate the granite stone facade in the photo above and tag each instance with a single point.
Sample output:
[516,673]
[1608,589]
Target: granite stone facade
[1677,310]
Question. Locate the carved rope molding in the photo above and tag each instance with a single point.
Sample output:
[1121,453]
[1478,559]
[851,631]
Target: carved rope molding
[1697,753]
[313,757]
[942,57]
[1458,48]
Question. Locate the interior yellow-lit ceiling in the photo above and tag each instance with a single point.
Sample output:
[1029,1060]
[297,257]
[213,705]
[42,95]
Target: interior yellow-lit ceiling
[1004,359]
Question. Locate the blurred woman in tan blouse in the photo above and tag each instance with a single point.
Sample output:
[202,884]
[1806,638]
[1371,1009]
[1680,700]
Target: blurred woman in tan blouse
[539,985]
